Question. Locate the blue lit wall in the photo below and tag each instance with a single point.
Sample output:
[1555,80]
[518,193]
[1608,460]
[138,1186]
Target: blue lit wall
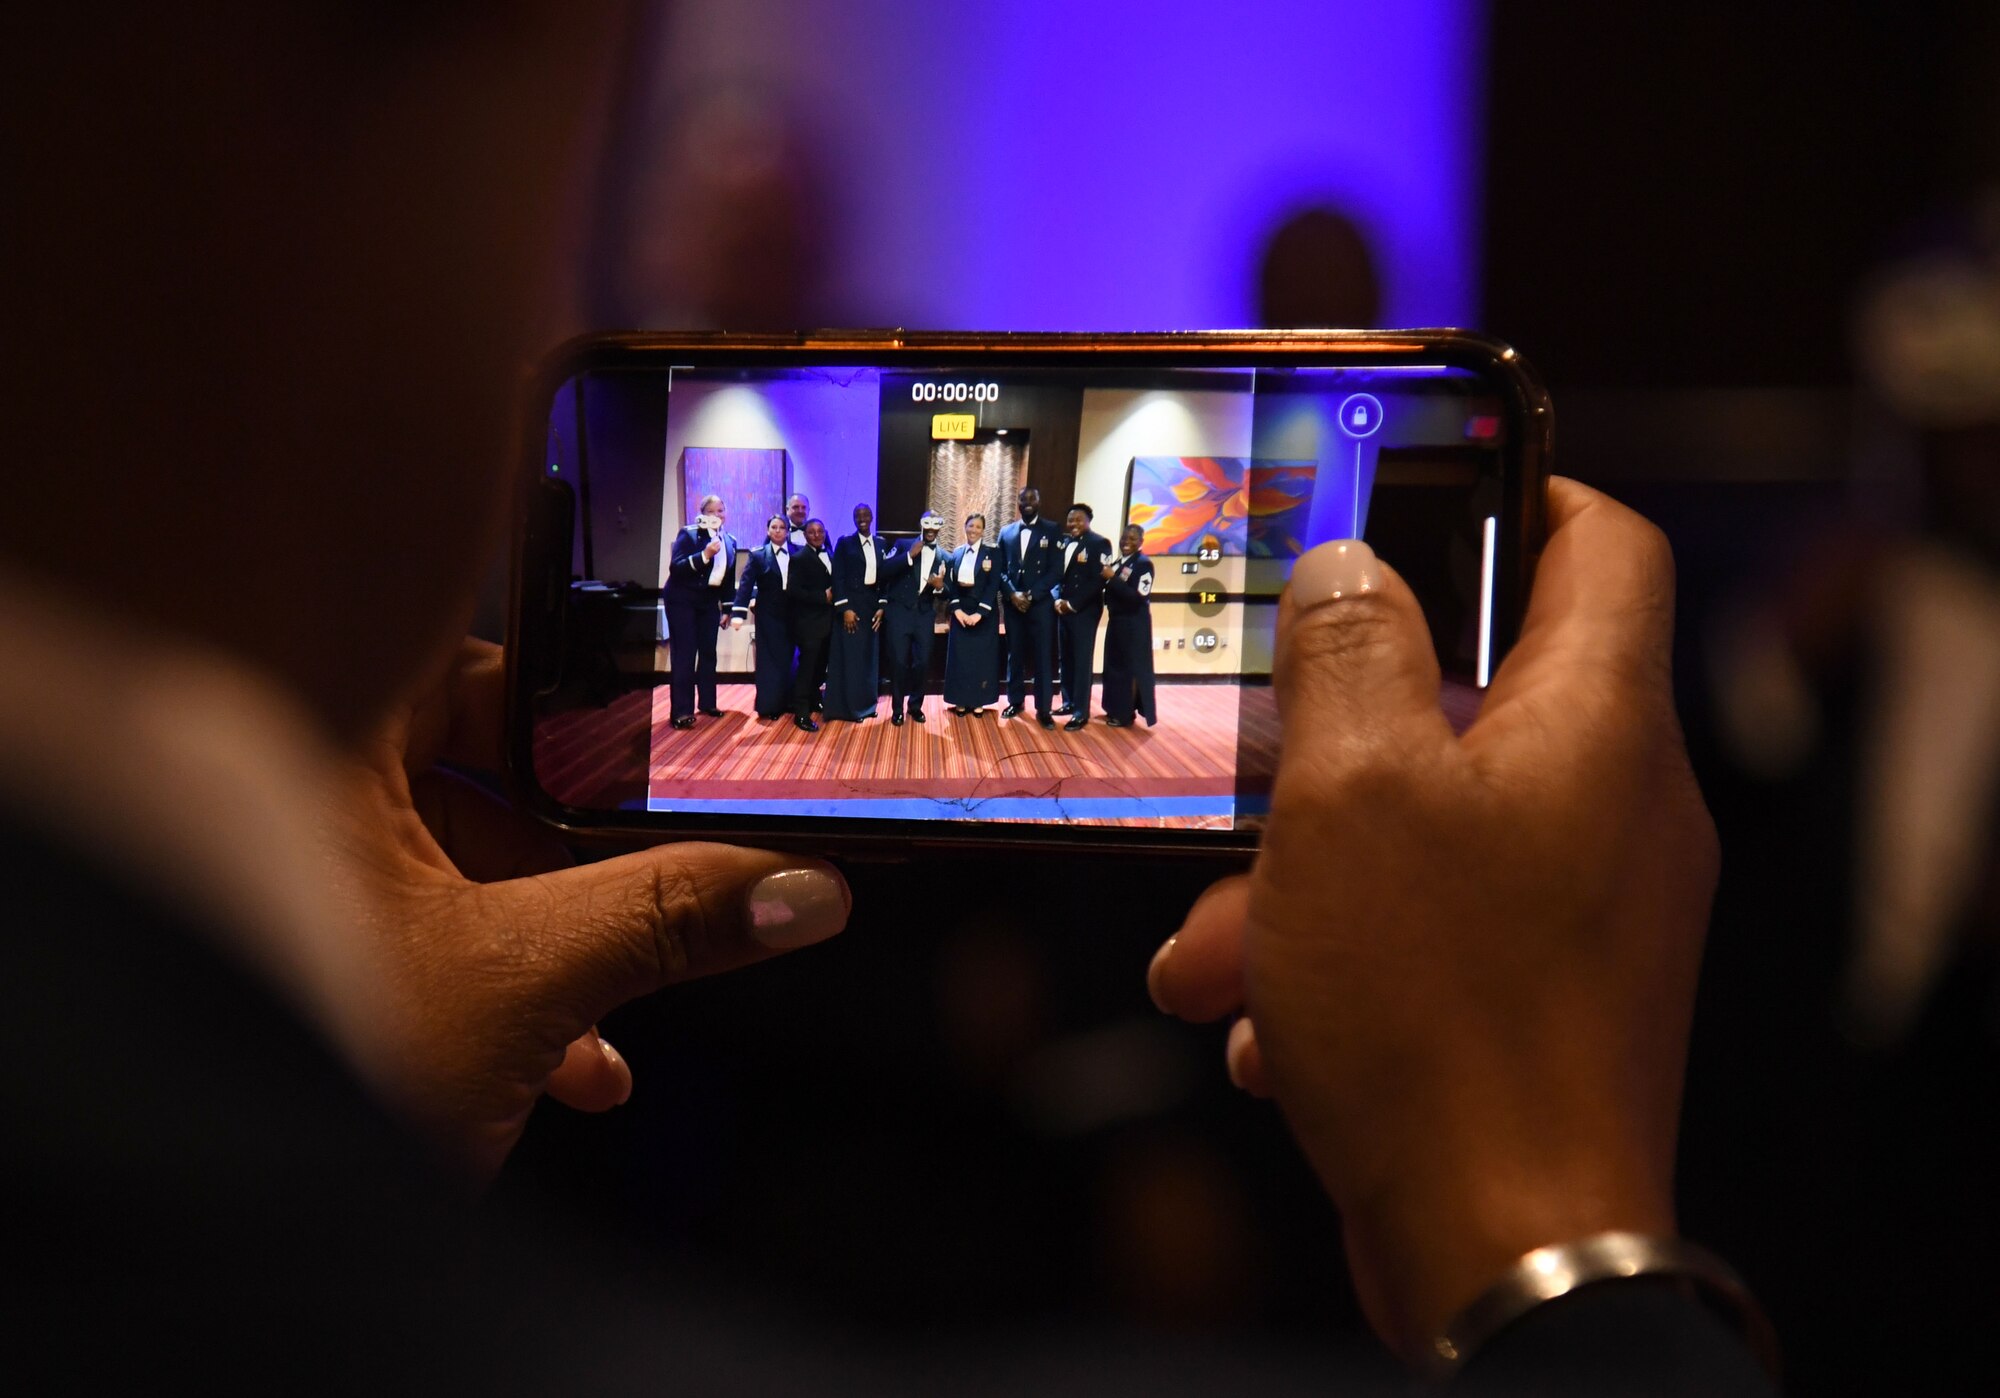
[1055,164]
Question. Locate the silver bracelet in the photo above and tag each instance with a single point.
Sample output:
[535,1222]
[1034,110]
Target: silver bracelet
[1551,1272]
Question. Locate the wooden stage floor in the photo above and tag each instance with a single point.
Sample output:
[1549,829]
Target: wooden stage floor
[1180,773]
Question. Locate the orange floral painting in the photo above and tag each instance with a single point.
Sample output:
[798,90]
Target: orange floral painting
[1255,508]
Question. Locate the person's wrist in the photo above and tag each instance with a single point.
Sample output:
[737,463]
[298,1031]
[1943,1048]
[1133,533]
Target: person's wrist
[1559,1270]
[1423,1250]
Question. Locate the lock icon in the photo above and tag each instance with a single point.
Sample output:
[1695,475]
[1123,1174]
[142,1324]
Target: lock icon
[1361,415]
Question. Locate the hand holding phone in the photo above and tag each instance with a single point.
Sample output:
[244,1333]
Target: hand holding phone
[522,951]
[1411,830]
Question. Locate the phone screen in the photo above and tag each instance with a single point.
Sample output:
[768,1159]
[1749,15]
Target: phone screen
[976,594]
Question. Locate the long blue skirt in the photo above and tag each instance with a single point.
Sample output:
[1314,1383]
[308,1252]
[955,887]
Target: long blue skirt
[853,671]
[774,663]
[972,664]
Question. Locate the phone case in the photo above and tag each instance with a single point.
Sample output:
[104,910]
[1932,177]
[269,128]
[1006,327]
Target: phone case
[546,521]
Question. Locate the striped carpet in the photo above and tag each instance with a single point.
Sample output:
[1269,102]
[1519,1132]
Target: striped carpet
[958,759]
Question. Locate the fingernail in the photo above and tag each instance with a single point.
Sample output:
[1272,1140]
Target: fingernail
[615,1061]
[1242,1035]
[1153,975]
[797,907]
[1343,568]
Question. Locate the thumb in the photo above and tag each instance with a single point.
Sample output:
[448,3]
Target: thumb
[609,932]
[1354,663]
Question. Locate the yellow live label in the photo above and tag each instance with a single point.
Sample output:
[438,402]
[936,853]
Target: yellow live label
[951,427]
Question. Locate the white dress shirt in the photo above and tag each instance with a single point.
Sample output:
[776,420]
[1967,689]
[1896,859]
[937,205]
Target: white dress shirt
[868,559]
[721,562]
[784,557]
[967,565]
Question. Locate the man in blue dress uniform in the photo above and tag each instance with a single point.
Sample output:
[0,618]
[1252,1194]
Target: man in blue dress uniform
[1079,608]
[1031,565]
[701,573]
[809,613]
[909,618]
[854,670]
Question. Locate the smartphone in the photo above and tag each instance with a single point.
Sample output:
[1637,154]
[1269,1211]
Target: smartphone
[882,591]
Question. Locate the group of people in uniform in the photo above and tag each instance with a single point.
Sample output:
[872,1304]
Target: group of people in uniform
[830,619]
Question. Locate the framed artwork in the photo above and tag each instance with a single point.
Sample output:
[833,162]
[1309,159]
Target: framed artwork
[754,482]
[1255,508]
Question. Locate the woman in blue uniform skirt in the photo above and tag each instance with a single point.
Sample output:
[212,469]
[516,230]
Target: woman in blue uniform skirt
[1128,641]
[761,597]
[972,650]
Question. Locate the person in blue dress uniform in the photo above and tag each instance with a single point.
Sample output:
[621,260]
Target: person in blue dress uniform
[701,575]
[972,646]
[1029,556]
[1128,642]
[854,669]
[809,614]
[798,510]
[909,618]
[1079,609]
[760,597]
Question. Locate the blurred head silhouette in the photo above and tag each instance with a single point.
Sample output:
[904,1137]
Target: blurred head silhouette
[1318,273]
[276,273]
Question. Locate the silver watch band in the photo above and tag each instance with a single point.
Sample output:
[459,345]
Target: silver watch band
[1551,1272]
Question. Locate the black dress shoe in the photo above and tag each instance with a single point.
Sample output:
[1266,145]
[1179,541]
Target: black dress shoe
[1078,722]
[1011,711]
[896,720]
[684,721]
[712,713]
[916,715]
[1063,712]
[1117,723]
[804,724]
[1046,720]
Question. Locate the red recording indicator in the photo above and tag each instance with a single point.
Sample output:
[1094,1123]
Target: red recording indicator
[1482,429]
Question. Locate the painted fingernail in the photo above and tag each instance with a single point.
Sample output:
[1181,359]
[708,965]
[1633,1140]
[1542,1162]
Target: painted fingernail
[615,1061]
[1242,1040]
[1153,973]
[1343,568]
[797,907]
